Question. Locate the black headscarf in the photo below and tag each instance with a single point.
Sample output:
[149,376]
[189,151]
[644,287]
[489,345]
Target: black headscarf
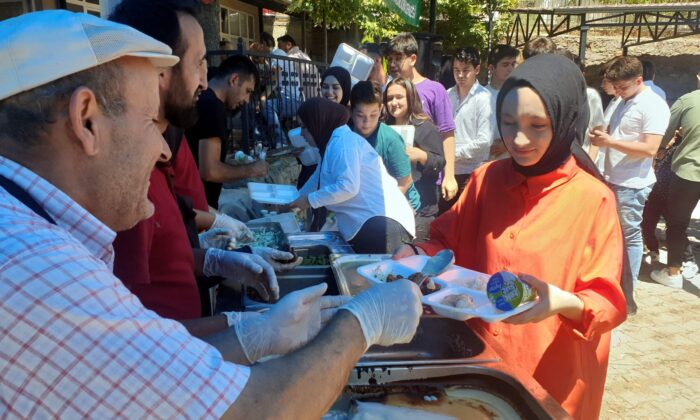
[321,116]
[560,85]
[343,77]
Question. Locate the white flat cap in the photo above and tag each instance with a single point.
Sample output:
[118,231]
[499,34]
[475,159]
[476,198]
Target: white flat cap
[40,47]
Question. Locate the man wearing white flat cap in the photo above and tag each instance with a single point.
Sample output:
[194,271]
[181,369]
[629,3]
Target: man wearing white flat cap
[79,138]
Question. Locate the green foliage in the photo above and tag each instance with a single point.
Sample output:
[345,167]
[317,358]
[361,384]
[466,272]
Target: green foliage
[460,22]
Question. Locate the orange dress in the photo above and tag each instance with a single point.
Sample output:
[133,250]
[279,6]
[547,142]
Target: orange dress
[562,228]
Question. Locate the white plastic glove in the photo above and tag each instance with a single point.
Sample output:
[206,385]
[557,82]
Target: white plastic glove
[237,229]
[289,324]
[279,260]
[388,313]
[248,269]
[215,238]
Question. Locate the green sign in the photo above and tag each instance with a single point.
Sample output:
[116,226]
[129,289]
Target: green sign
[409,10]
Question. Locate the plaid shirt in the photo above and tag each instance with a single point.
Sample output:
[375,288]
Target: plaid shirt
[74,342]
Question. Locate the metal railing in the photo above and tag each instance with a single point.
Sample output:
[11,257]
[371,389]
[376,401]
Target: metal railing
[283,84]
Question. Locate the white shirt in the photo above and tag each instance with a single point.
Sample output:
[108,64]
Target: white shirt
[494,124]
[657,90]
[309,75]
[473,127]
[646,113]
[288,76]
[609,111]
[356,186]
[595,114]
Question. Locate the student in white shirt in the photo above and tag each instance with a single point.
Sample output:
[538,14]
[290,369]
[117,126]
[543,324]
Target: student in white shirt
[372,214]
[472,112]
[608,88]
[633,138]
[649,74]
[595,107]
[502,61]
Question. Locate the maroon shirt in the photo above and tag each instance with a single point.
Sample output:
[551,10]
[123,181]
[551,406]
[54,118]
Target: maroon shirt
[188,183]
[154,258]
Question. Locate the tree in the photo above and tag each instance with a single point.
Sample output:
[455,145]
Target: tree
[460,22]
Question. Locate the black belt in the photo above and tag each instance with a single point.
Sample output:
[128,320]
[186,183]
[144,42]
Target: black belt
[26,199]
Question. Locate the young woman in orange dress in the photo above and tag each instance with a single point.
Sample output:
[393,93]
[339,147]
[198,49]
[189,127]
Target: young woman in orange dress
[545,215]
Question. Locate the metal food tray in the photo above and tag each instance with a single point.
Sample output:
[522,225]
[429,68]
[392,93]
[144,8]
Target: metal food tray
[335,243]
[524,399]
[344,269]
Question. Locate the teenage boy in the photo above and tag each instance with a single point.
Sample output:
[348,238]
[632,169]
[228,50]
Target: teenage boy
[471,105]
[649,74]
[402,56]
[683,191]
[502,61]
[228,91]
[631,142]
[366,107]
[537,46]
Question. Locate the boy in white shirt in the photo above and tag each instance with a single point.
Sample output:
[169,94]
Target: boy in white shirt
[471,109]
[632,140]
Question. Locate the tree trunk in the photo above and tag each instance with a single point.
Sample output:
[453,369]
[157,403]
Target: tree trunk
[209,17]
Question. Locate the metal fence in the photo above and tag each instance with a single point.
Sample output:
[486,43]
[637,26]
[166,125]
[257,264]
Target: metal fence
[283,84]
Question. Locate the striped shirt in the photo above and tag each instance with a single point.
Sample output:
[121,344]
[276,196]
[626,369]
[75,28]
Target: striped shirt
[74,342]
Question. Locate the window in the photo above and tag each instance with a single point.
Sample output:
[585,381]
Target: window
[84,6]
[235,24]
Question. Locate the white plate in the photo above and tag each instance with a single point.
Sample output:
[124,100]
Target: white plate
[483,308]
[455,280]
[272,193]
[454,276]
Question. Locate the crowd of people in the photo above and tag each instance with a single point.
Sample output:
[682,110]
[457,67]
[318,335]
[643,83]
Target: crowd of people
[111,166]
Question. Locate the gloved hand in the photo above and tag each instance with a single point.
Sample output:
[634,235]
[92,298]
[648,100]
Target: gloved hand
[248,269]
[215,238]
[388,313]
[279,260]
[237,229]
[289,324]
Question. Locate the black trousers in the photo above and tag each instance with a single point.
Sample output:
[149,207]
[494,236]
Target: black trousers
[683,196]
[380,235]
[423,227]
[443,205]
[654,208]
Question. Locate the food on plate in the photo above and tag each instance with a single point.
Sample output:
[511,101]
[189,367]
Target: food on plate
[506,291]
[426,283]
[459,301]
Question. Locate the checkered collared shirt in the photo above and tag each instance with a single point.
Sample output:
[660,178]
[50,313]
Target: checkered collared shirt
[74,342]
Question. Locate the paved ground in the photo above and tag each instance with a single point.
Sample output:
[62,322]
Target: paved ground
[654,370]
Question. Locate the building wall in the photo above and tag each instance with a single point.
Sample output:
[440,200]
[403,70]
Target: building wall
[248,28]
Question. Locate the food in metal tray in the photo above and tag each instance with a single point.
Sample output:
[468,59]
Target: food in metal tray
[426,283]
[459,301]
[316,260]
[263,236]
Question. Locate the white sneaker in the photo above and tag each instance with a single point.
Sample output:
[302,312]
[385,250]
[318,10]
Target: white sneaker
[689,270]
[662,277]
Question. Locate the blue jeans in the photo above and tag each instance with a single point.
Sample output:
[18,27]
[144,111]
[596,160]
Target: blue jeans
[630,206]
